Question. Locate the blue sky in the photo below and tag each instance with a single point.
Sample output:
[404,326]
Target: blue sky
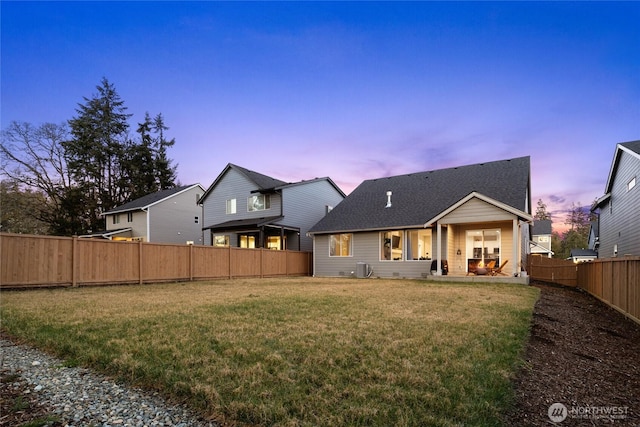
[350,90]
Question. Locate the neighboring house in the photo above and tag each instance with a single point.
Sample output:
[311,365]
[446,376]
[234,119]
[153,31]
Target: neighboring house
[398,226]
[167,216]
[541,238]
[582,255]
[243,208]
[619,208]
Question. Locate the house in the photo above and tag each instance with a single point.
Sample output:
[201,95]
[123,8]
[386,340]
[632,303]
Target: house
[447,220]
[619,208]
[540,244]
[582,255]
[166,216]
[247,209]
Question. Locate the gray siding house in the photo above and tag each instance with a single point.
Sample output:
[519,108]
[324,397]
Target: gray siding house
[541,238]
[243,208]
[167,216]
[445,221]
[619,208]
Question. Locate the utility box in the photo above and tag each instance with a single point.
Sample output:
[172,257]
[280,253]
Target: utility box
[362,270]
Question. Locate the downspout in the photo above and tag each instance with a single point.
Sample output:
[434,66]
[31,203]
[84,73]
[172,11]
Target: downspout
[281,214]
[439,251]
[517,241]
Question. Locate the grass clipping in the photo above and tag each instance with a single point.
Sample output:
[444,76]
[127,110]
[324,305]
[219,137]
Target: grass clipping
[296,351]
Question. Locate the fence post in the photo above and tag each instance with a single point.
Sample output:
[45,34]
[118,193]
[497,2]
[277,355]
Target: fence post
[140,261]
[191,263]
[74,261]
[230,263]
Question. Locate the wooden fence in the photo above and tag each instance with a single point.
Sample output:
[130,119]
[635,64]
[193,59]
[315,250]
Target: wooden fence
[553,270]
[615,281]
[31,261]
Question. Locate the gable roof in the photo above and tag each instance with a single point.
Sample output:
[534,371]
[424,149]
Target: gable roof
[541,226]
[263,182]
[151,199]
[632,148]
[419,197]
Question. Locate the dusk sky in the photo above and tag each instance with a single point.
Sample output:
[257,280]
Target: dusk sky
[353,91]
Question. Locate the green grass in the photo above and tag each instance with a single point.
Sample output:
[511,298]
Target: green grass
[296,351]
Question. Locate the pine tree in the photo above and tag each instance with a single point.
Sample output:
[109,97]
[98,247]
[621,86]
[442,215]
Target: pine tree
[541,211]
[95,151]
[165,171]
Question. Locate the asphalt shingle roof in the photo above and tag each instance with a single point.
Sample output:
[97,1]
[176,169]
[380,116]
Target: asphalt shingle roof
[263,181]
[147,200]
[420,197]
[541,226]
[632,145]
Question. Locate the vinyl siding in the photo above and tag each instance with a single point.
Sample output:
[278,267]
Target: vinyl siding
[620,215]
[173,220]
[305,204]
[476,210]
[233,185]
[366,248]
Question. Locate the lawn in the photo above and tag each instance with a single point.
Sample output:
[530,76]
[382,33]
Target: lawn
[295,351]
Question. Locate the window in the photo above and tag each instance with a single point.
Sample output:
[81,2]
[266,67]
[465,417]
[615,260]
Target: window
[116,219]
[631,183]
[258,202]
[418,244]
[247,241]
[391,245]
[231,206]
[129,216]
[483,246]
[221,240]
[341,244]
[273,242]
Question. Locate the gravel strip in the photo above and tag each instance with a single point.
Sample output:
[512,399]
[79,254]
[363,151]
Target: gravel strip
[82,398]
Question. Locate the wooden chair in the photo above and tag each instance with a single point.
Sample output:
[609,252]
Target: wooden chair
[499,269]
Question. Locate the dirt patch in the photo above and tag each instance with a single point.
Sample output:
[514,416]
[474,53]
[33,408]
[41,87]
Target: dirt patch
[582,354]
[18,406]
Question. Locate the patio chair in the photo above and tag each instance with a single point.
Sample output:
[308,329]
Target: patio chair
[499,269]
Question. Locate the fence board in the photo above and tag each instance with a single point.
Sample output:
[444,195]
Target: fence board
[30,261]
[616,281]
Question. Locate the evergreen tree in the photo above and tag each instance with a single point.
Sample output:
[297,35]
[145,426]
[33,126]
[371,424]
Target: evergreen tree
[541,211]
[165,171]
[87,168]
[96,150]
[140,164]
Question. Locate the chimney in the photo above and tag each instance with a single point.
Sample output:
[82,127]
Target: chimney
[389,193]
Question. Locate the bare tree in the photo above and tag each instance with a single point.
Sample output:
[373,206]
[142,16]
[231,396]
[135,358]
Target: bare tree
[33,159]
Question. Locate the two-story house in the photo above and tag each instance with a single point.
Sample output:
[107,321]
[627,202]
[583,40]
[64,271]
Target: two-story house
[619,208]
[166,216]
[541,238]
[247,209]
